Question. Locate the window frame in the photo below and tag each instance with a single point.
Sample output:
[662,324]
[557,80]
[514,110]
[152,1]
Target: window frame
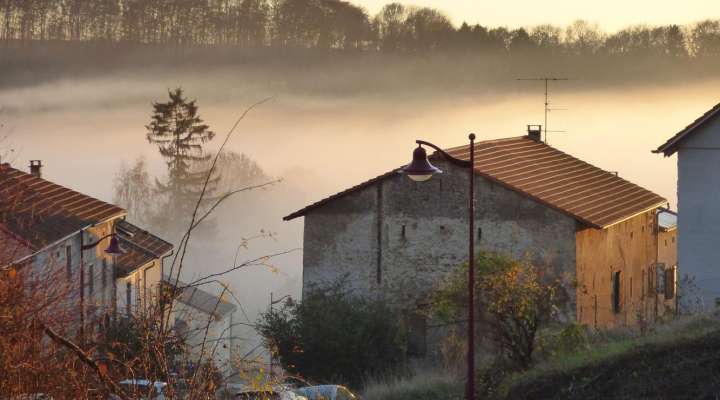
[68,262]
[616,298]
[671,283]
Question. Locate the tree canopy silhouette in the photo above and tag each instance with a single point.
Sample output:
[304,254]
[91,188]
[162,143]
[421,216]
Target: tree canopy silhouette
[329,24]
[179,132]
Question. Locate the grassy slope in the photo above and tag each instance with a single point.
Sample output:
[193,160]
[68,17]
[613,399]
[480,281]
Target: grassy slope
[680,362]
[422,386]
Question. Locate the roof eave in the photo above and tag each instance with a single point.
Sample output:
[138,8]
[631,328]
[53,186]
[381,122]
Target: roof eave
[653,207]
[670,147]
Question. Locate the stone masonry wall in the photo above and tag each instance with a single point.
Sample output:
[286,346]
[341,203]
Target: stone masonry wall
[418,237]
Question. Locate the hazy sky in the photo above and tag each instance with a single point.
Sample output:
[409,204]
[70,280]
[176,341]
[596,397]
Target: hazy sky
[611,15]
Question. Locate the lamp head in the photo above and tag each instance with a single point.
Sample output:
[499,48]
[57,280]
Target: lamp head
[420,168]
[114,247]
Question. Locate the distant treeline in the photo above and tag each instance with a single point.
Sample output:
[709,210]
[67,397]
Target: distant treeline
[329,24]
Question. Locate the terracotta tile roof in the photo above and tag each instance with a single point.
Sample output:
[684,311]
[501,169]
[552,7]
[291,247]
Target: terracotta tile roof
[42,212]
[671,145]
[326,200]
[140,247]
[12,248]
[594,197]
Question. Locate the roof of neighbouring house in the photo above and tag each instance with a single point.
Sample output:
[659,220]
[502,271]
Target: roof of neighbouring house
[667,220]
[593,196]
[671,145]
[41,212]
[201,300]
[140,247]
[12,248]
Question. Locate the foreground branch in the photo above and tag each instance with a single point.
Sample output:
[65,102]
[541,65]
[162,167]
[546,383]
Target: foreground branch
[110,385]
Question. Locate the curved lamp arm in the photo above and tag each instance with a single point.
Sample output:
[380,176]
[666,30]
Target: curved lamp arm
[462,163]
[287,296]
[91,245]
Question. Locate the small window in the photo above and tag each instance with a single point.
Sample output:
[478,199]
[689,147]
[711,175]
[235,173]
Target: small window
[138,300]
[402,232]
[91,280]
[103,274]
[479,233]
[670,282]
[616,286]
[128,297]
[68,262]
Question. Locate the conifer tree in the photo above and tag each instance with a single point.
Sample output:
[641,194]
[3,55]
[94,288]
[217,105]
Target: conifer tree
[179,132]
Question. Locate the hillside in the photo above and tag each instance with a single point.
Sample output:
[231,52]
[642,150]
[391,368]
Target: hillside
[678,363]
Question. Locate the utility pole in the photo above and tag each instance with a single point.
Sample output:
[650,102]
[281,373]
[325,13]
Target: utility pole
[272,351]
[272,355]
[547,103]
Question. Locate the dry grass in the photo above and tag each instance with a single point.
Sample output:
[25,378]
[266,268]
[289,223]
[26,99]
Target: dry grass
[422,385]
[610,346]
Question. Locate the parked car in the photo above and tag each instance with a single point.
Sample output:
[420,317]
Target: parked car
[326,392]
[276,393]
[147,390]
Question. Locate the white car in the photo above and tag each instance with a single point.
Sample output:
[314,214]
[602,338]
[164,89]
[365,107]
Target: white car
[275,393]
[326,392]
[143,389]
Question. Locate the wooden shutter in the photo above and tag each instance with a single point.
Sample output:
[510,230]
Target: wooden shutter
[670,282]
[616,304]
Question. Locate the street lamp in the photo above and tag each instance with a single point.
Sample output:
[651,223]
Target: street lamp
[113,249]
[419,170]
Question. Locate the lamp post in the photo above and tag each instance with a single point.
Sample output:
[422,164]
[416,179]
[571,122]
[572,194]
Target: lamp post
[272,303]
[113,249]
[420,169]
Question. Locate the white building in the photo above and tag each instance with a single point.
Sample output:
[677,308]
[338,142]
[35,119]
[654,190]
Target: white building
[62,235]
[698,149]
[206,323]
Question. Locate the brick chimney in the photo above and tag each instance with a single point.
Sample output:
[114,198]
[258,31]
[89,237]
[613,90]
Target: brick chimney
[36,168]
[534,132]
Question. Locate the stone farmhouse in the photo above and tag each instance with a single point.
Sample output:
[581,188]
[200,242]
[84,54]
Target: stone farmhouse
[50,228]
[698,189]
[397,239]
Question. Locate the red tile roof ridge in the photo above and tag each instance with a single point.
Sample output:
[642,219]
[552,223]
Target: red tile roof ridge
[33,202]
[547,175]
[670,146]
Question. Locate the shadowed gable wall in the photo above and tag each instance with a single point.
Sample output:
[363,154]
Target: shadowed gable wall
[401,239]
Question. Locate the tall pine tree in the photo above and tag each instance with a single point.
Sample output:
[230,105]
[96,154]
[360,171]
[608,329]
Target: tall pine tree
[179,133]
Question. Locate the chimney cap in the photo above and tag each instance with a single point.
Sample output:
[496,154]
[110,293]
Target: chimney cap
[534,132]
[36,168]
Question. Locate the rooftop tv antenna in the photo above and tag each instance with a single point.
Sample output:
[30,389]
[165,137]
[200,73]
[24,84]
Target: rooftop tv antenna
[547,103]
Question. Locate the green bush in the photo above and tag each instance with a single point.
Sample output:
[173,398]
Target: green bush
[515,300]
[333,337]
[572,338]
